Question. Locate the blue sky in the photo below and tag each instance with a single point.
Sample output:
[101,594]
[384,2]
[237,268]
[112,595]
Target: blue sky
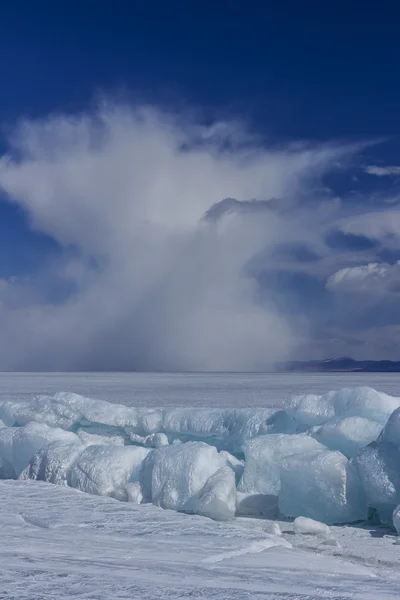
[125,124]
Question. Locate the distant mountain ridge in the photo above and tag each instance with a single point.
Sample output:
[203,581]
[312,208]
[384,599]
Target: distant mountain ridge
[343,363]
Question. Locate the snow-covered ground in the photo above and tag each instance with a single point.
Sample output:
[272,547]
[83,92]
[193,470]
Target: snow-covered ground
[58,543]
[222,390]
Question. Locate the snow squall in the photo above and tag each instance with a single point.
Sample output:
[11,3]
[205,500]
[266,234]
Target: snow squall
[333,458]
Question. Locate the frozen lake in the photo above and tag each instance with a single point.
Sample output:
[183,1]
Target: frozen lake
[230,390]
[61,543]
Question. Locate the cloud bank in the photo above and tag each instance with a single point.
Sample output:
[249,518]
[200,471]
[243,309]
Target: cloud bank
[183,246]
[153,284]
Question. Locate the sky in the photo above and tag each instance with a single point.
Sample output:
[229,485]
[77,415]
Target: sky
[198,186]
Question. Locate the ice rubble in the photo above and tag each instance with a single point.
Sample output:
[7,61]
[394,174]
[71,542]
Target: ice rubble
[19,444]
[304,526]
[378,466]
[103,470]
[53,462]
[257,505]
[348,435]
[174,476]
[217,499]
[323,486]
[396,519]
[263,458]
[331,458]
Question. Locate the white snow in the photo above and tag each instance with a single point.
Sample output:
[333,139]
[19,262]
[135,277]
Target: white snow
[58,543]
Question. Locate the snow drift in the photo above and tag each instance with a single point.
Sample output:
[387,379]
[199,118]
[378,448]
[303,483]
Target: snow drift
[332,458]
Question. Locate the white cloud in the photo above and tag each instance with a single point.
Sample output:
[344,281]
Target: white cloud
[387,171]
[374,224]
[129,187]
[373,278]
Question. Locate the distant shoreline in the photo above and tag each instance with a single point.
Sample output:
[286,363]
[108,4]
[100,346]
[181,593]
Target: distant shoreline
[339,365]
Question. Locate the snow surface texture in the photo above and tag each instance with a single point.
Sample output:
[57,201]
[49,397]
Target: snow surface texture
[59,544]
[332,458]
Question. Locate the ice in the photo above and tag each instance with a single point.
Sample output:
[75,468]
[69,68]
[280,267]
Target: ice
[331,542]
[6,470]
[306,526]
[348,435]
[396,519]
[274,529]
[53,462]
[104,470]
[19,444]
[68,411]
[234,463]
[57,541]
[217,499]
[323,486]
[391,431]
[256,505]
[155,440]
[310,409]
[224,428]
[6,449]
[43,409]
[95,439]
[227,429]
[366,402]
[134,492]
[263,457]
[299,453]
[378,466]
[34,436]
[173,476]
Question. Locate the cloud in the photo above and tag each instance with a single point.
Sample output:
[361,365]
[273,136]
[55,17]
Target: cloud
[375,225]
[382,171]
[373,278]
[154,283]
